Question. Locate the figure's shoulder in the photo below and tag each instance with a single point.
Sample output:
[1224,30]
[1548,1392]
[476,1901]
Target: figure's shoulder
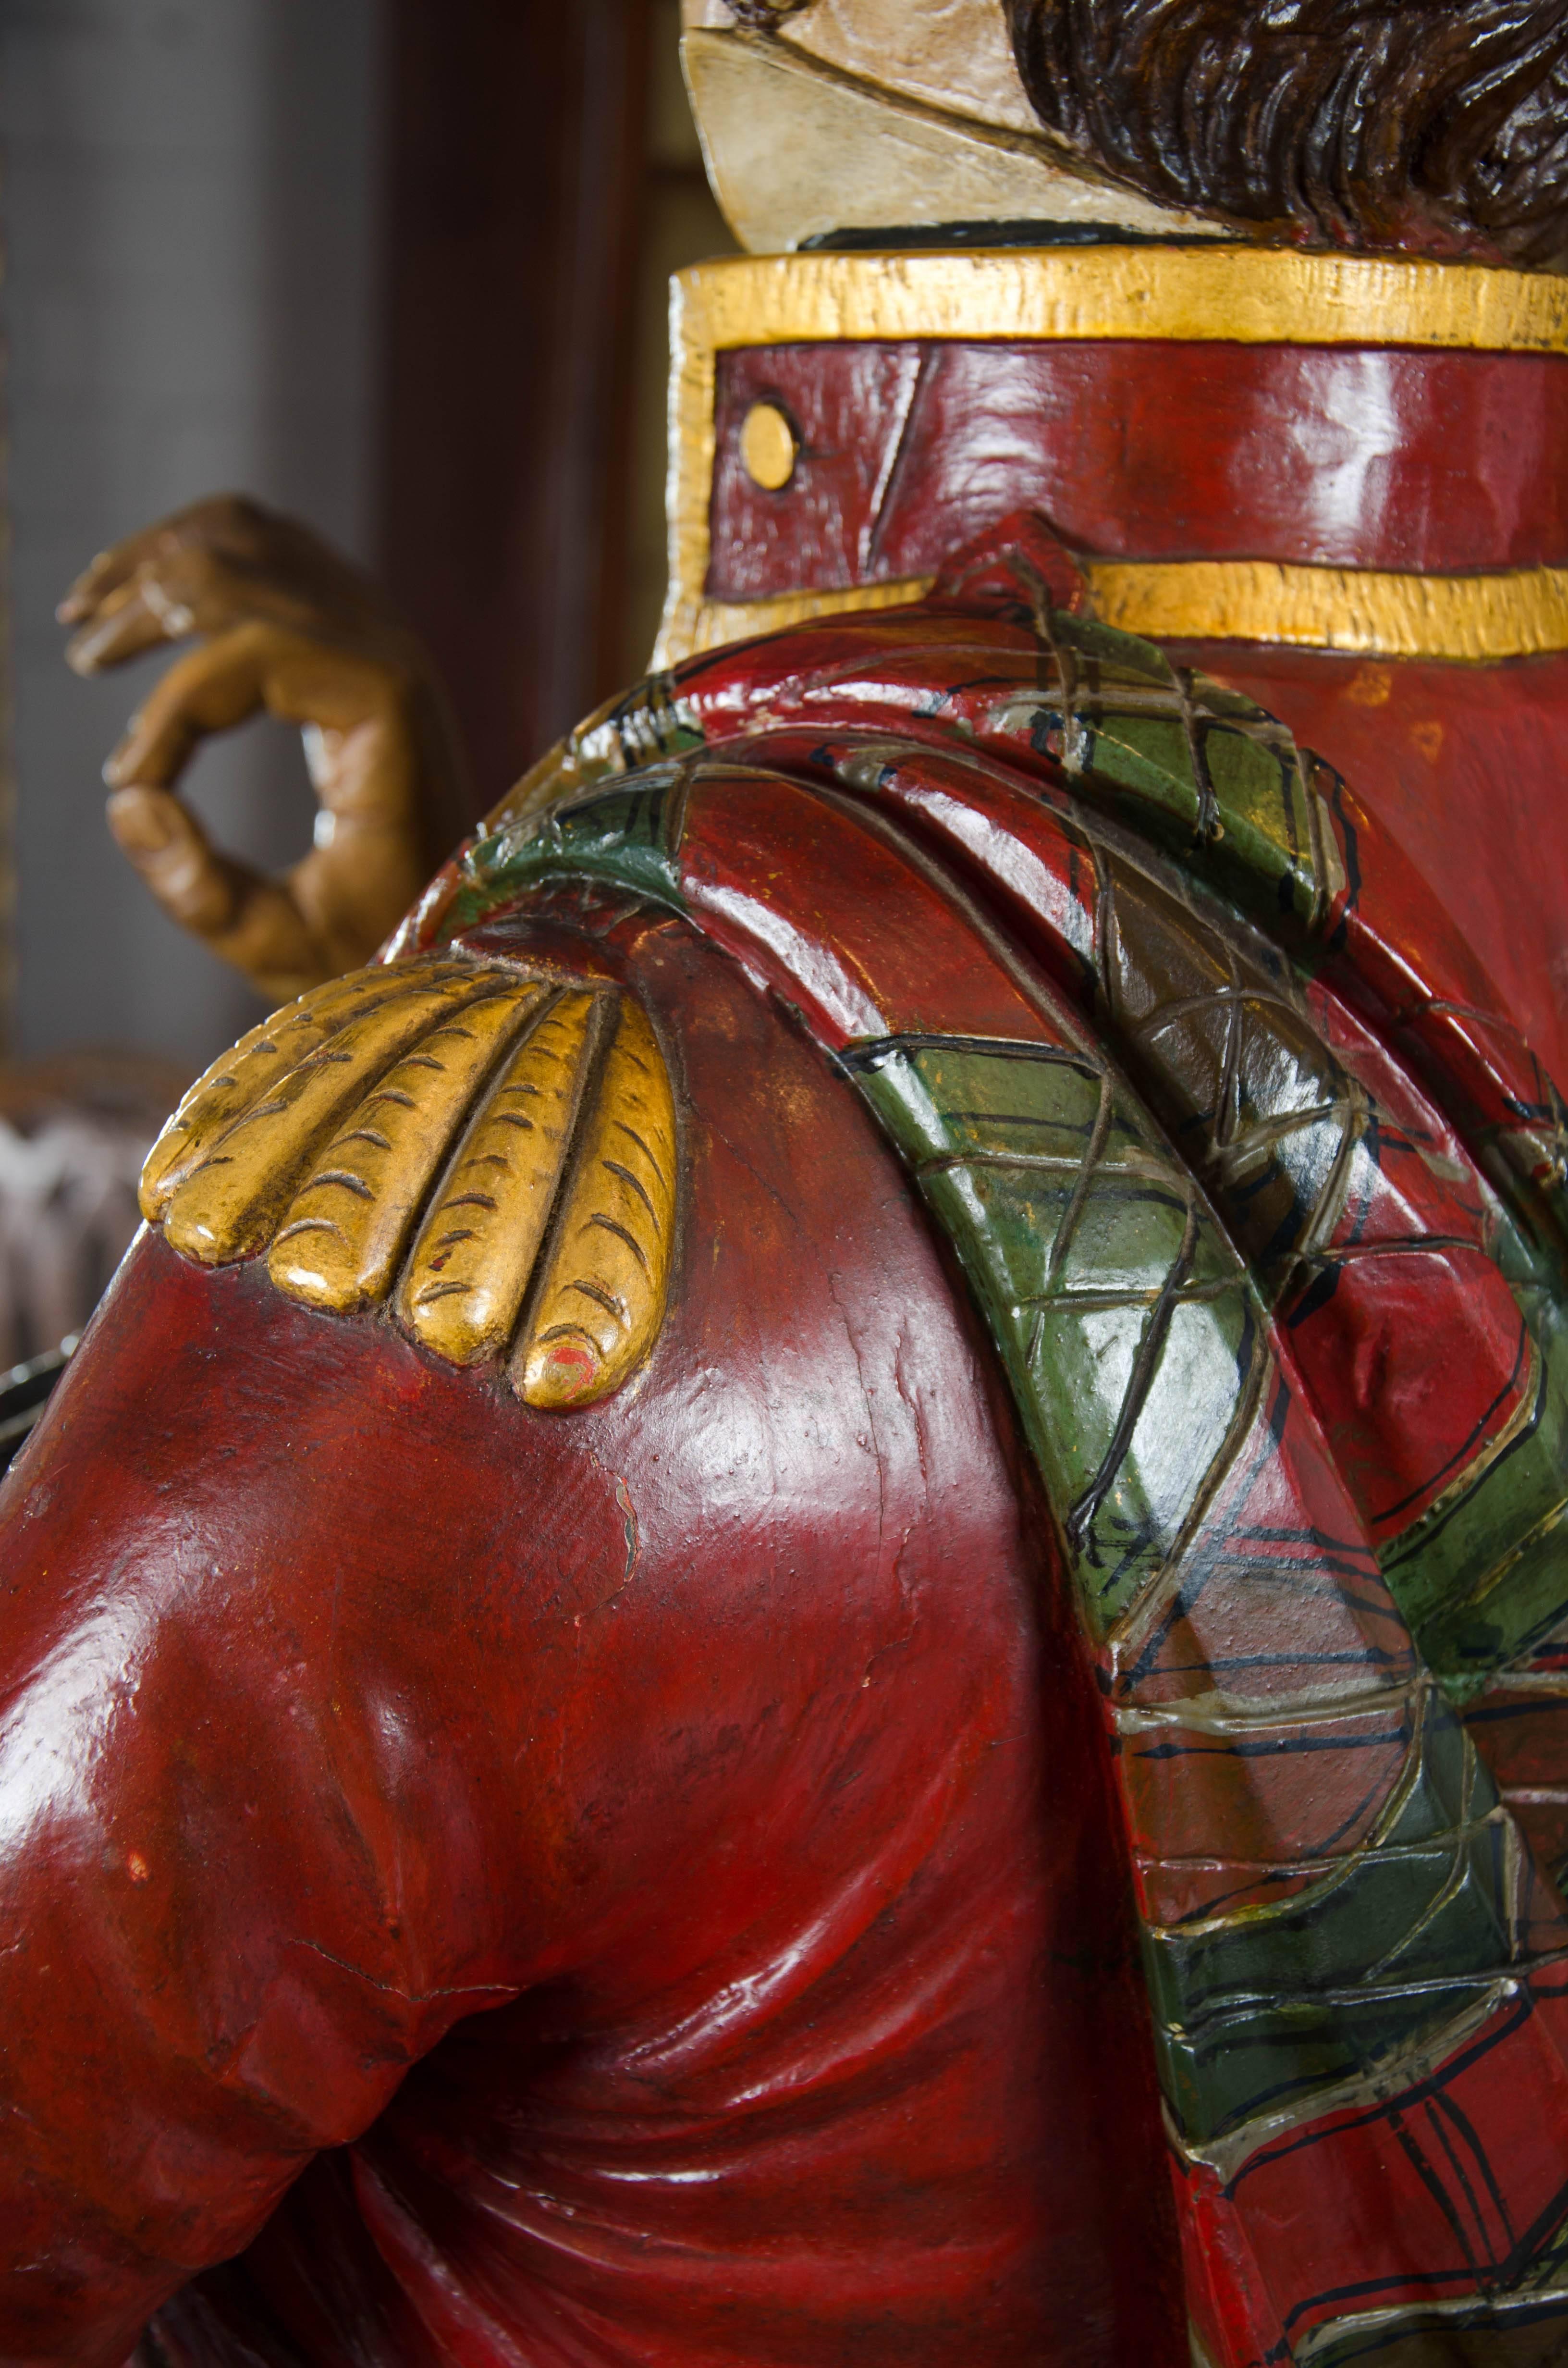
[1086,932]
[574,1162]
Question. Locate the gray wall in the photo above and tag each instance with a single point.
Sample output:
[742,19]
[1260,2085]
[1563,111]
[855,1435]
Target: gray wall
[189,191]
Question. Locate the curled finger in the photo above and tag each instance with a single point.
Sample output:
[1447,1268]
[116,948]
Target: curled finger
[211,689]
[248,920]
[130,621]
[196,886]
[99,581]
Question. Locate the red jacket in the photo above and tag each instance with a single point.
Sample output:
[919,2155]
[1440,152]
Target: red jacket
[703,1791]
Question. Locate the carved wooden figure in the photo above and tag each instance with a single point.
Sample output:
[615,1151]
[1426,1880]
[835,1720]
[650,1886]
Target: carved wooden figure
[807,1602]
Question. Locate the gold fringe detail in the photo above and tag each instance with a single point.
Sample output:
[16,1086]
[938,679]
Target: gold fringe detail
[232,1204]
[418,1135]
[345,1236]
[243,1076]
[472,1263]
[602,1299]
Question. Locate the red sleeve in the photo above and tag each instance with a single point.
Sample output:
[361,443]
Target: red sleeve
[275,1720]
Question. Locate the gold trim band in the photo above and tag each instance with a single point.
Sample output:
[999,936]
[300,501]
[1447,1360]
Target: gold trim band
[1365,613]
[1475,619]
[1228,294]
[1240,295]
[710,624]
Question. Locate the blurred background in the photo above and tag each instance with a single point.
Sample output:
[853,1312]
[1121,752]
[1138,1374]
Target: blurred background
[398,266]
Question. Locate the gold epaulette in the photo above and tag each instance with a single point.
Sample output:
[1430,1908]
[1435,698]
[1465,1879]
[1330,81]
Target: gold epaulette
[489,1150]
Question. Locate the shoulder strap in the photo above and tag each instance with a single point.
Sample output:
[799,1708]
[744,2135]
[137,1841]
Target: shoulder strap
[1220,1225]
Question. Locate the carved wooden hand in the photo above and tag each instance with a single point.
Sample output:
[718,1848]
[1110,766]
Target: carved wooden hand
[286,625]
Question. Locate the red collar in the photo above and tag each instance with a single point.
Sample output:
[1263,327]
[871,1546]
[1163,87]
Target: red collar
[1364,456]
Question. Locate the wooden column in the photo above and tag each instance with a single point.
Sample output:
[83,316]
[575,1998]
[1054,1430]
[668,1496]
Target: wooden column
[516,156]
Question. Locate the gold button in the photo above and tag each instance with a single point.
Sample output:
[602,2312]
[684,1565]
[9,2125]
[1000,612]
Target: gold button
[768,447]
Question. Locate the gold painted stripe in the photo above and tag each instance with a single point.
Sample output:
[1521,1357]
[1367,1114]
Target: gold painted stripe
[602,1298]
[464,1283]
[1231,294]
[710,624]
[230,1206]
[243,1076]
[1371,614]
[341,1241]
[1362,612]
[1242,294]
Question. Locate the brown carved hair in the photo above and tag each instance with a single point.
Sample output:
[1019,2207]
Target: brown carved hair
[1430,123]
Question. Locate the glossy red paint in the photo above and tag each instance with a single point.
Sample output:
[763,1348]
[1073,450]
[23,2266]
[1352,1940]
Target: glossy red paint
[1339,456]
[1361,457]
[1458,768]
[846,925]
[943,725]
[1401,1422]
[518,1882]
[675,1780]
